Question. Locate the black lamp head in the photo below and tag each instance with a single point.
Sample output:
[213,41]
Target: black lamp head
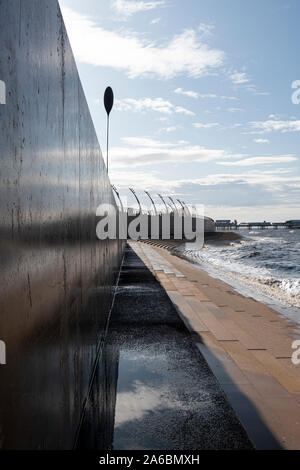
[108,100]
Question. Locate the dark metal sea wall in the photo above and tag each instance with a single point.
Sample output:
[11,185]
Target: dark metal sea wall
[57,279]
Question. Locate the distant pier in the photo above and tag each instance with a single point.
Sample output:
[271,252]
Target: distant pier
[229,225]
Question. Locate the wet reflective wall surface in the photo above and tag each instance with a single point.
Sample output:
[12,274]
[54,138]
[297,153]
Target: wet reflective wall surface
[57,279]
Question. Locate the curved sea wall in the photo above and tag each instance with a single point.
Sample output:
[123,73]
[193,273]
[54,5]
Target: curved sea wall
[57,278]
[209,225]
[165,226]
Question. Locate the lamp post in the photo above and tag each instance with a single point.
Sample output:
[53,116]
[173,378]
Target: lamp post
[172,201]
[188,210]
[108,104]
[118,196]
[160,196]
[182,206]
[150,197]
[138,201]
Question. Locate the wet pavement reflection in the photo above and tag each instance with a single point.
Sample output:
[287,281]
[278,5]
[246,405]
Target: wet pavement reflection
[152,388]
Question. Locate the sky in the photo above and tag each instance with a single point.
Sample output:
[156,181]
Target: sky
[207,99]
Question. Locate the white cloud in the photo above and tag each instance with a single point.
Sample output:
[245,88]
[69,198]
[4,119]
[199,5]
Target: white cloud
[140,400]
[253,89]
[274,116]
[155,21]
[162,119]
[235,110]
[208,95]
[239,78]
[194,94]
[141,180]
[269,180]
[261,161]
[169,129]
[276,125]
[146,142]
[141,151]
[245,195]
[261,93]
[129,7]
[233,98]
[209,125]
[185,53]
[275,213]
[156,104]
[153,104]
[251,177]
[191,94]
[181,110]
[206,29]
[261,141]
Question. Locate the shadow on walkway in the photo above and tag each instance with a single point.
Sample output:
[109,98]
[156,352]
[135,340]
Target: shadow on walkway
[153,389]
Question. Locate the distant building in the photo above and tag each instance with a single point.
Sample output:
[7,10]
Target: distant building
[293,223]
[223,222]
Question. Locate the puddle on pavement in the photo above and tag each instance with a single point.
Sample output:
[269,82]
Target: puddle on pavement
[152,388]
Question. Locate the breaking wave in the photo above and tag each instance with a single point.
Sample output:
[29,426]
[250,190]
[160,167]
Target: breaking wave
[267,261]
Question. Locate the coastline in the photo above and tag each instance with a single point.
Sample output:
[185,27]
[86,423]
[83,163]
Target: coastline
[263,290]
[222,238]
[247,344]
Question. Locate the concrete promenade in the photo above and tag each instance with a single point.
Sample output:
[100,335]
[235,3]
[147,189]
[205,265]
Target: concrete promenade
[246,344]
[152,388]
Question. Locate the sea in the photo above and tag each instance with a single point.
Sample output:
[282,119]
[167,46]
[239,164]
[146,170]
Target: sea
[263,264]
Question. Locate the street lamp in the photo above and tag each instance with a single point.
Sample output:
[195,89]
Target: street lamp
[188,210]
[118,196]
[108,104]
[182,206]
[138,201]
[150,197]
[160,196]
[173,203]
